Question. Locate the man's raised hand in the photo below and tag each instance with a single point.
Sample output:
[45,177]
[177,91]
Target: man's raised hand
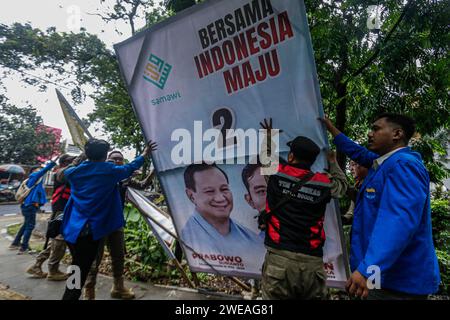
[267,125]
[151,146]
[329,125]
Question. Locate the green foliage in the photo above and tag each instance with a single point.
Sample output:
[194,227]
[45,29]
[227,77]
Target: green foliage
[434,155]
[440,213]
[400,68]
[180,5]
[444,266]
[19,140]
[146,259]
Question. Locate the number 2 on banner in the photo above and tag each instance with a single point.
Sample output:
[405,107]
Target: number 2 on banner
[223,120]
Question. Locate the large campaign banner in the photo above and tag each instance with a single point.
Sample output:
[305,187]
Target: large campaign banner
[220,66]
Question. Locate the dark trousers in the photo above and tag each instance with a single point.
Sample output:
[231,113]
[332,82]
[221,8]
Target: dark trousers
[29,214]
[116,246]
[384,294]
[83,254]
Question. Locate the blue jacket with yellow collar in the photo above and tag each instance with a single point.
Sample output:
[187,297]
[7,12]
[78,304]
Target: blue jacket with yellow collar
[392,221]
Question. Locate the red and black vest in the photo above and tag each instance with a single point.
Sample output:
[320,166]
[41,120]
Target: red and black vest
[60,197]
[298,224]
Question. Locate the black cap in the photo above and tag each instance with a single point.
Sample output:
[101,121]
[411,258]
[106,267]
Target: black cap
[66,158]
[304,148]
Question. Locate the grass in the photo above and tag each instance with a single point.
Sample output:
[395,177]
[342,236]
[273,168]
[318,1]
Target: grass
[12,230]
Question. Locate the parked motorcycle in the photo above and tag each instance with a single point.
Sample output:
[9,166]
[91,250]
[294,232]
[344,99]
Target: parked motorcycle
[7,194]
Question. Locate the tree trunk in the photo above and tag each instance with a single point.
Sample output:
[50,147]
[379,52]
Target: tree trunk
[341,118]
[341,91]
[133,30]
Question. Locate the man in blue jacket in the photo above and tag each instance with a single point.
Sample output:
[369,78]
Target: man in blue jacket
[94,209]
[392,223]
[35,199]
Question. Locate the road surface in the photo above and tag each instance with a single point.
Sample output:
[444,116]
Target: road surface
[13,209]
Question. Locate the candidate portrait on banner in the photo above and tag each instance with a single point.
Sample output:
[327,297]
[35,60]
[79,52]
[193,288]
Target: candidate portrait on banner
[210,230]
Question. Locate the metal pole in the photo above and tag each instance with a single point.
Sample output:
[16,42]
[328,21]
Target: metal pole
[183,273]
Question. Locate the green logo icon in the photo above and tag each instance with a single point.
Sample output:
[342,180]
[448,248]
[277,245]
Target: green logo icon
[157,71]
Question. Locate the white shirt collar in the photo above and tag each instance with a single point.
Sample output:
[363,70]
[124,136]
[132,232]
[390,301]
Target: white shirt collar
[379,161]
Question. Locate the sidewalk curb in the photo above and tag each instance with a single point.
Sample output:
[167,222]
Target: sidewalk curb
[4,231]
[200,291]
[7,294]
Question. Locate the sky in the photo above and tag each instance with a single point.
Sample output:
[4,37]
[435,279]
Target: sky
[66,16]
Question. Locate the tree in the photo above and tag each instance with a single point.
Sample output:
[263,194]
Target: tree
[179,5]
[75,59]
[131,10]
[112,103]
[400,67]
[21,141]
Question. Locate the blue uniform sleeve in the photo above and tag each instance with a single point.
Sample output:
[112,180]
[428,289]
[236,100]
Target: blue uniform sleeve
[34,177]
[354,151]
[401,206]
[125,171]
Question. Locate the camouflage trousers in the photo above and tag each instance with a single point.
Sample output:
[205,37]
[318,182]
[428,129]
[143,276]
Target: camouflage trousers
[54,253]
[291,275]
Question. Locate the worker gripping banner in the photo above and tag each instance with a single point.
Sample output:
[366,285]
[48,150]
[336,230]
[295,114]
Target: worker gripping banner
[200,83]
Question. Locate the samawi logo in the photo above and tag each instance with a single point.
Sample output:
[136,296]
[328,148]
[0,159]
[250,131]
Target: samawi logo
[157,71]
